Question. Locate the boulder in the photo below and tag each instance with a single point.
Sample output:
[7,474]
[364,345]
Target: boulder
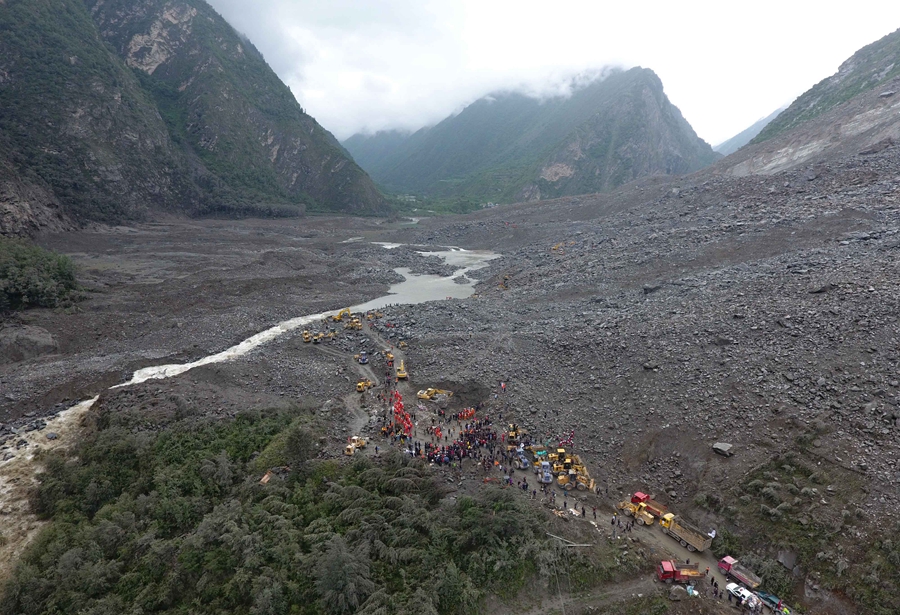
[724,449]
[21,342]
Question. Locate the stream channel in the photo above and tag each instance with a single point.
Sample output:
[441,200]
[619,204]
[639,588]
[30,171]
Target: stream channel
[412,290]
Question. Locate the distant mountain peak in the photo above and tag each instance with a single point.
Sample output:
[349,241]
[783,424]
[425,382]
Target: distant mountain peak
[592,135]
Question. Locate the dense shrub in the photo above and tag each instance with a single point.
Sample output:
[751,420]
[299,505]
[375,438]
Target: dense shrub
[172,518]
[33,277]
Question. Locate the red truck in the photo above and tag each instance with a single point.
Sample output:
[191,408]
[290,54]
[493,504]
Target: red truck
[674,572]
[651,506]
[730,567]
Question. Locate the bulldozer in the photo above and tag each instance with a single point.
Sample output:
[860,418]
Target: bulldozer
[575,480]
[401,371]
[363,385]
[358,442]
[345,313]
[307,337]
[402,345]
[430,394]
[354,324]
[638,511]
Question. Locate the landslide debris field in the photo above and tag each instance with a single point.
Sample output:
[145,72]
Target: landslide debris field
[760,311]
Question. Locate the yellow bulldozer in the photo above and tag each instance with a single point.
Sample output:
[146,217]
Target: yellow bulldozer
[354,324]
[638,511]
[576,480]
[430,394]
[363,385]
[307,337]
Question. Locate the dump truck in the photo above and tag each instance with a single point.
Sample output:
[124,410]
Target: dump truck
[638,511]
[652,506]
[690,537]
[401,371]
[430,394]
[670,571]
[730,567]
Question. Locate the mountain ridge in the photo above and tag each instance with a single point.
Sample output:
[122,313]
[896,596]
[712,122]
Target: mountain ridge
[113,111]
[510,146]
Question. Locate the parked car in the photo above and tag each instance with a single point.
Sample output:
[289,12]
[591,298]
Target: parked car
[738,591]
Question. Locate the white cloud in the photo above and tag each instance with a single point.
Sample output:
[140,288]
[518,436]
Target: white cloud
[375,64]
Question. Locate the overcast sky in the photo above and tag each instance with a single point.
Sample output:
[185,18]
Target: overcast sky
[366,65]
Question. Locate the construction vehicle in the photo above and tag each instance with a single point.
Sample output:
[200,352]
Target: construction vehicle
[353,324]
[574,479]
[358,442]
[349,449]
[345,313]
[318,337]
[401,371]
[670,571]
[401,345]
[363,385]
[545,473]
[514,436]
[730,567]
[690,537]
[520,461]
[307,337]
[389,356]
[651,506]
[430,394]
[638,511]
[362,357]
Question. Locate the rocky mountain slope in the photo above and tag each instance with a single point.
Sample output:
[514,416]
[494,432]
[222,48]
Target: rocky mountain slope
[111,111]
[745,136]
[508,146]
[868,68]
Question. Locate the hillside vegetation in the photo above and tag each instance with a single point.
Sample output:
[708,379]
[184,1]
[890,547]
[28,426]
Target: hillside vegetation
[166,514]
[33,277]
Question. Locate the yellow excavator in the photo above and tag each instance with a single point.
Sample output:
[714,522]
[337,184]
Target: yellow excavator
[318,337]
[401,372]
[340,315]
[430,394]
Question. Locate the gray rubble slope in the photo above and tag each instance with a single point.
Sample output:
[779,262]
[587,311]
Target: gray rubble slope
[753,310]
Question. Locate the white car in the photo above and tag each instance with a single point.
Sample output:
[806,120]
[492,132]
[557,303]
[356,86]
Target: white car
[739,592]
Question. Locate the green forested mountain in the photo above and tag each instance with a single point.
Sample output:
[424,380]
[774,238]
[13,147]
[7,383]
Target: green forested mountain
[867,68]
[509,146]
[111,110]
